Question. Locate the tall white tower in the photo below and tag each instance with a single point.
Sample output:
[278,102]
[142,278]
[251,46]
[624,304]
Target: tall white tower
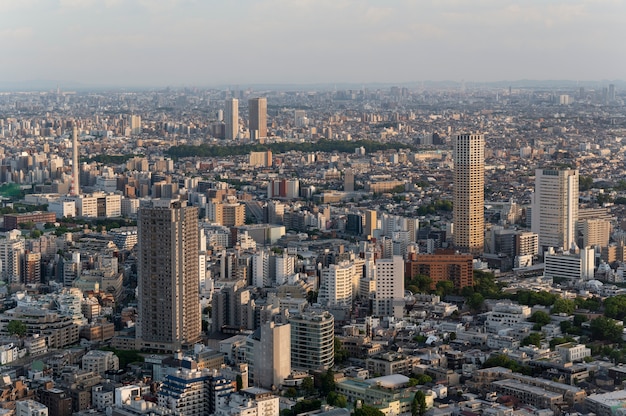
[555,207]
[75,172]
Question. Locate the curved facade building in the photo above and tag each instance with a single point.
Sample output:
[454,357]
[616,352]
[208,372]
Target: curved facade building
[312,341]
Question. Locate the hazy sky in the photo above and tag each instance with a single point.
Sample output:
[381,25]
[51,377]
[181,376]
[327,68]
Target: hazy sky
[210,42]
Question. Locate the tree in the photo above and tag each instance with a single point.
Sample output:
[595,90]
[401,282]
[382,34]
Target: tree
[366,410]
[341,401]
[540,317]
[565,306]
[532,339]
[475,301]
[16,327]
[327,382]
[307,385]
[418,405]
[291,392]
[444,288]
[606,329]
[422,282]
[311,296]
[341,354]
[615,307]
[239,382]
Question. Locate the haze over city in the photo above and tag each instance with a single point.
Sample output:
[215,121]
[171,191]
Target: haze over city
[151,43]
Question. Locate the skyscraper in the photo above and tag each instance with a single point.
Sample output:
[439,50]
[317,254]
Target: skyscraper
[75,169]
[469,192]
[169,308]
[257,108]
[231,117]
[555,207]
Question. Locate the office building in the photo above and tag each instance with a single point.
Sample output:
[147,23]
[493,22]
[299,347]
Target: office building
[569,265]
[135,124]
[169,310]
[389,298]
[312,340]
[371,223]
[348,180]
[257,108]
[13,221]
[469,193]
[555,207]
[231,119]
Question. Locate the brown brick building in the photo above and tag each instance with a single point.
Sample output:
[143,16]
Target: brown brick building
[441,266]
[13,221]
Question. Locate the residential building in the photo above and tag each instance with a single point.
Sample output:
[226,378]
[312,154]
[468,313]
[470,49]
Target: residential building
[469,193]
[389,297]
[169,310]
[312,340]
[555,207]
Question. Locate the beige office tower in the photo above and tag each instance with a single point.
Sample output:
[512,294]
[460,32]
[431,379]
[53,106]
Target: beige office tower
[371,223]
[469,193]
[555,207]
[231,118]
[257,108]
[169,306]
[135,124]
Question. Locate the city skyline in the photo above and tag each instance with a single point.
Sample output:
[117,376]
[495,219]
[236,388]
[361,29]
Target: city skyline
[182,42]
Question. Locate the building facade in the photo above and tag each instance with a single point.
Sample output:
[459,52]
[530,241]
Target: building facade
[169,311]
[257,108]
[469,192]
[555,207]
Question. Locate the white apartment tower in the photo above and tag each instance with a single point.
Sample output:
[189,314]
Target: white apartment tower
[389,298]
[336,286]
[555,207]
[469,193]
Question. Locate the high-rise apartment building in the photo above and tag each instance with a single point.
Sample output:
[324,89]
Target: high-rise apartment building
[75,189]
[169,309]
[336,284]
[469,192]
[594,232]
[555,207]
[268,354]
[231,119]
[312,340]
[12,246]
[389,298]
[257,108]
